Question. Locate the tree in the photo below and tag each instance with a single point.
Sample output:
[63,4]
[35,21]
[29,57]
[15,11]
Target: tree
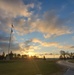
[18,56]
[62,54]
[44,58]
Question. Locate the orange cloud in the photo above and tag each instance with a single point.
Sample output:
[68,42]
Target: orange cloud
[45,44]
[52,44]
[15,7]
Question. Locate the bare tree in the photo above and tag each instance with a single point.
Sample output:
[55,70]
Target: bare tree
[62,54]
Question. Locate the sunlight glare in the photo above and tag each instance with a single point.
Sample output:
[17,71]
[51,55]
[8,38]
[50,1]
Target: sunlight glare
[30,54]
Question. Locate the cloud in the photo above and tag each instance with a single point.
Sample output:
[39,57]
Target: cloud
[25,47]
[52,25]
[12,9]
[4,46]
[52,44]
[72,37]
[68,47]
[15,7]
[4,37]
[45,44]
[4,42]
[26,21]
[22,26]
[15,12]
[36,40]
[71,46]
[9,13]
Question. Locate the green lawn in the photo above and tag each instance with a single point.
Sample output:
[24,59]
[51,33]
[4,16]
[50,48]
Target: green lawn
[72,61]
[29,67]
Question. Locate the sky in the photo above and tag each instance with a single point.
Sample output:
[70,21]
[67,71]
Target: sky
[41,27]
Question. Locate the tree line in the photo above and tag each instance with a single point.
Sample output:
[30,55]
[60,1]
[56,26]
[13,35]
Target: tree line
[14,56]
[66,55]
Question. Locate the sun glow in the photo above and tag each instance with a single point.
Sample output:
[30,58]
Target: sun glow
[31,54]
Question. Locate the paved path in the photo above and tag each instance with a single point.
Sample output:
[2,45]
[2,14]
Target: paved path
[69,72]
[70,66]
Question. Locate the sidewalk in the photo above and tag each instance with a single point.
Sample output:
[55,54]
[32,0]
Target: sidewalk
[69,65]
[69,72]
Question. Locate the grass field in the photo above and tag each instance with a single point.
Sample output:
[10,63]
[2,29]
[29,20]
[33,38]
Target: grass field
[72,61]
[29,67]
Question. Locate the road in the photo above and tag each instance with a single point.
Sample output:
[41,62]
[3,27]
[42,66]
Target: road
[69,65]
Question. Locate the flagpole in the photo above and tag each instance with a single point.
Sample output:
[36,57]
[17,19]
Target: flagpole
[10,40]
